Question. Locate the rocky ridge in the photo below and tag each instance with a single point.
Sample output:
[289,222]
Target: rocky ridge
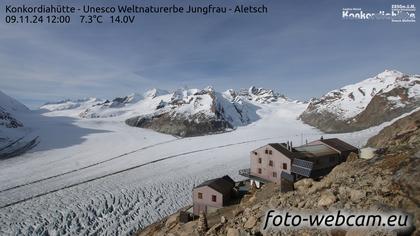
[365,104]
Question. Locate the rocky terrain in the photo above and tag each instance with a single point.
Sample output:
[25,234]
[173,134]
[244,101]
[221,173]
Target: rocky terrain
[402,136]
[387,182]
[365,104]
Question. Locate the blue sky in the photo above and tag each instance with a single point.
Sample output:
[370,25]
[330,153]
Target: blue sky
[300,48]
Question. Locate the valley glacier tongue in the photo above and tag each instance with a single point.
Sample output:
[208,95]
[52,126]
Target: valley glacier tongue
[124,202]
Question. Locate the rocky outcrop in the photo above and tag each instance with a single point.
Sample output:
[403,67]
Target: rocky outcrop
[365,104]
[402,136]
[7,120]
[195,125]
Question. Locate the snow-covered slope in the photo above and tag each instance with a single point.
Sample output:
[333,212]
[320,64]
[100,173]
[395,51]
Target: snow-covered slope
[13,133]
[10,104]
[69,104]
[364,104]
[9,108]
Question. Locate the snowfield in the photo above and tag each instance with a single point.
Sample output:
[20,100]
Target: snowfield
[100,176]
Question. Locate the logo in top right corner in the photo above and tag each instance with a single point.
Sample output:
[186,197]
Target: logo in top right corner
[399,13]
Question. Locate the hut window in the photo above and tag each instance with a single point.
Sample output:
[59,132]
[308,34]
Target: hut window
[259,160]
[266,151]
[213,198]
[200,195]
[259,170]
[284,166]
[270,152]
[270,163]
[255,153]
[275,174]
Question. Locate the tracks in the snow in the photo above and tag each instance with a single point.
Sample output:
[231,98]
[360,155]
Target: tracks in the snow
[88,166]
[117,172]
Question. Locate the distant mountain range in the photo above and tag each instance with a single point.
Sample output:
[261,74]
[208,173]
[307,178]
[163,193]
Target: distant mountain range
[192,112]
[183,112]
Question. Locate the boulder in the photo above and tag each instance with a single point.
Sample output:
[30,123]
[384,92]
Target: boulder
[303,184]
[233,232]
[250,223]
[357,195]
[327,198]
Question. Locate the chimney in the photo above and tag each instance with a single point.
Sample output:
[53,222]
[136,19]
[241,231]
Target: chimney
[291,145]
[306,141]
[287,145]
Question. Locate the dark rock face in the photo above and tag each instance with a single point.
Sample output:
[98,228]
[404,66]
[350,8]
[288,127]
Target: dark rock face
[325,121]
[403,135]
[380,109]
[179,125]
[8,120]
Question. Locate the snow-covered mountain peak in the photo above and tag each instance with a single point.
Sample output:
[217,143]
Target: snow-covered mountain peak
[134,97]
[390,92]
[352,99]
[189,112]
[389,74]
[152,93]
[261,95]
[122,101]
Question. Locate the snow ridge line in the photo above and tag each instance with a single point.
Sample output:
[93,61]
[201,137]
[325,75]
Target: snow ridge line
[88,166]
[131,168]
